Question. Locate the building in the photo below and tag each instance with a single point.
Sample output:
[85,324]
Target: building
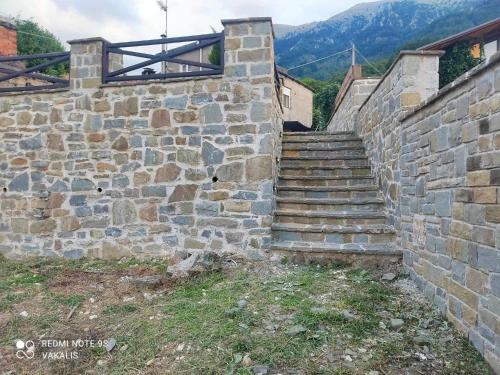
[297,102]
[487,35]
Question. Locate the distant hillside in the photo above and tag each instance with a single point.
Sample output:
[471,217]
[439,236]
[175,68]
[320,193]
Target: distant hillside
[378,29]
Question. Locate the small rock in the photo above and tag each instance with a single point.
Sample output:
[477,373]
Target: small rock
[350,352]
[397,323]
[260,370]
[372,372]
[422,340]
[199,262]
[24,314]
[148,296]
[128,299]
[348,315]
[295,330]
[92,317]
[242,303]
[232,312]
[388,276]
[101,363]
[247,361]
[110,345]
[348,358]
[319,310]
[92,300]
[123,348]
[149,281]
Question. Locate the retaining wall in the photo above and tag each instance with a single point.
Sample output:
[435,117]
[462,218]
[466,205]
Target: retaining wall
[144,169]
[436,155]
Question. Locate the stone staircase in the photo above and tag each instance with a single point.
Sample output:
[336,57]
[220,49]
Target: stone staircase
[328,205]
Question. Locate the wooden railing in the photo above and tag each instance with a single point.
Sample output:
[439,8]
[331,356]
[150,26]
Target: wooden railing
[174,56]
[11,67]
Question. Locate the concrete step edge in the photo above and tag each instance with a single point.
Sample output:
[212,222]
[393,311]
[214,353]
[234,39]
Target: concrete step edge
[352,201]
[329,188]
[362,249]
[361,214]
[326,228]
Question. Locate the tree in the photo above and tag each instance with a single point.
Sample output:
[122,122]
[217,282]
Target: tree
[214,56]
[33,39]
[455,62]
[323,99]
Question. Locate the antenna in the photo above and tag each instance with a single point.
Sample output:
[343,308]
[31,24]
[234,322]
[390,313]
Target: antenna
[164,47]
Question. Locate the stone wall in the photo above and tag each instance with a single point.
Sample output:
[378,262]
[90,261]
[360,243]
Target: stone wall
[412,78]
[144,169]
[450,203]
[345,114]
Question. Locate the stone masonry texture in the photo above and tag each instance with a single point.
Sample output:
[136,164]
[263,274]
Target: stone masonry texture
[345,115]
[144,169]
[438,161]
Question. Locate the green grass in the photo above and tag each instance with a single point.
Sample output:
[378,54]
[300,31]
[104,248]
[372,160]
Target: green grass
[194,314]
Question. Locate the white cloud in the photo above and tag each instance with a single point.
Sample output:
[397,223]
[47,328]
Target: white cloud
[124,20]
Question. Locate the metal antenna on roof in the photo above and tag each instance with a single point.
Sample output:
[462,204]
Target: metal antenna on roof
[164,48]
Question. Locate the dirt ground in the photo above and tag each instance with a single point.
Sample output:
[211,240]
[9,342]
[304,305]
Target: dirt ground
[128,317]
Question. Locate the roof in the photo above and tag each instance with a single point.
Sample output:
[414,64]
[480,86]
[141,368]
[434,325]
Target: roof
[487,31]
[283,72]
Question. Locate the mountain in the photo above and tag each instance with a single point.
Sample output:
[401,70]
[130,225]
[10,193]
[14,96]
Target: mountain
[378,29]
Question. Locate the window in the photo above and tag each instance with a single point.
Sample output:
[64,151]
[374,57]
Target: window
[286,97]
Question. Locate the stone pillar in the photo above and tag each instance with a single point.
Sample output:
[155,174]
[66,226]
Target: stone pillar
[249,71]
[419,76]
[86,63]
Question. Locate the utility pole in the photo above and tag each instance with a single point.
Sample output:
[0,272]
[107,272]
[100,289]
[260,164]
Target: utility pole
[353,55]
[164,47]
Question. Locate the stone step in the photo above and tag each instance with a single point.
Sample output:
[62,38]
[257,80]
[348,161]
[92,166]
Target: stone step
[288,138]
[287,180]
[325,154]
[330,217]
[314,146]
[357,191]
[323,132]
[334,204]
[381,249]
[326,171]
[339,234]
[319,140]
[308,162]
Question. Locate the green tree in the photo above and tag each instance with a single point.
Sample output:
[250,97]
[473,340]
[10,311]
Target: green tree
[323,99]
[34,39]
[214,56]
[455,62]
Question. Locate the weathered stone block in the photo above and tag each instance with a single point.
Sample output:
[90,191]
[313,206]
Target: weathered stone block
[230,172]
[168,172]
[32,143]
[160,118]
[210,113]
[124,212]
[211,155]
[183,193]
[19,183]
[43,226]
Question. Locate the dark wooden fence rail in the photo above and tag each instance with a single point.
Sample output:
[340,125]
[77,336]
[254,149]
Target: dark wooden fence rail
[173,56]
[9,71]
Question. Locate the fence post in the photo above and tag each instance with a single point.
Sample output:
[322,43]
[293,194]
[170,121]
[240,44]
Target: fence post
[86,63]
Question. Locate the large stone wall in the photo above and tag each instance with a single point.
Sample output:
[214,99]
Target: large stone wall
[144,169]
[412,78]
[345,115]
[450,203]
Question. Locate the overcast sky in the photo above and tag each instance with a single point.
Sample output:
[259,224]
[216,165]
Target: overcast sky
[125,20]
